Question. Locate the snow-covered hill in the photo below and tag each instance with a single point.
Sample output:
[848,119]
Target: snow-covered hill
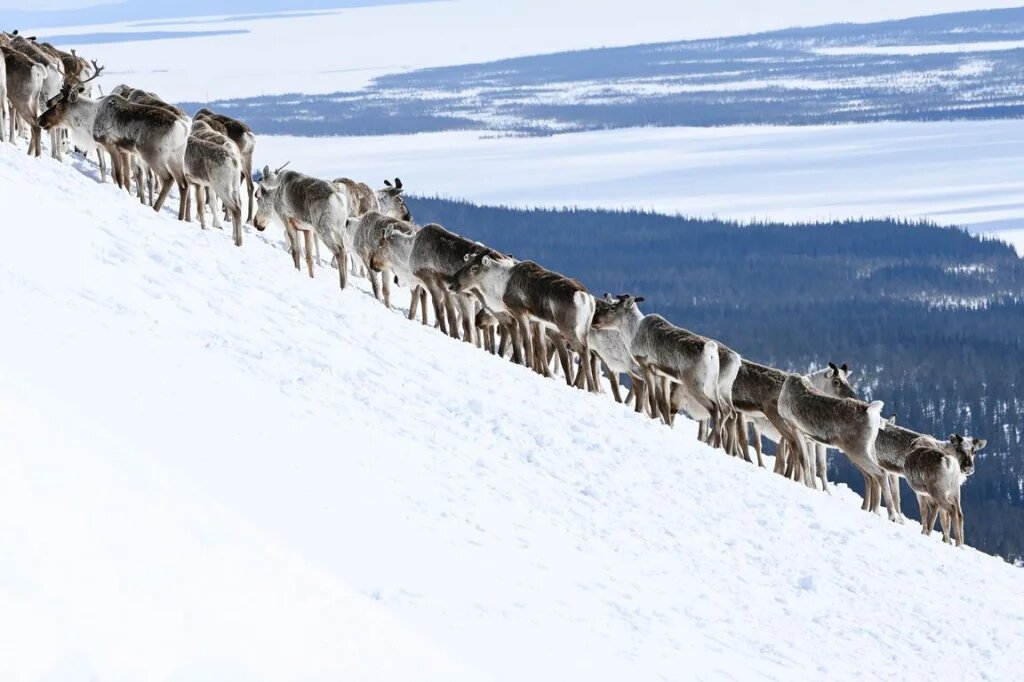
[212,467]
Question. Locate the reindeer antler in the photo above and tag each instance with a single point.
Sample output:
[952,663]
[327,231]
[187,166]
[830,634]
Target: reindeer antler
[281,168]
[96,70]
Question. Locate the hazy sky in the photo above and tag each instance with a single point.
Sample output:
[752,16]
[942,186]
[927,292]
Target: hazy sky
[816,11]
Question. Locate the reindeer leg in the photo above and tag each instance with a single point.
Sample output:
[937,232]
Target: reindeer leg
[103,164]
[757,444]
[821,466]
[200,191]
[946,520]
[613,383]
[385,281]
[742,444]
[414,302]
[423,305]
[540,350]
[451,312]
[308,238]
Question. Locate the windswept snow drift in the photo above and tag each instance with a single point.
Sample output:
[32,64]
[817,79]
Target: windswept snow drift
[212,467]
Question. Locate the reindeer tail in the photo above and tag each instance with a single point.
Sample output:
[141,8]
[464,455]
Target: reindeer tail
[875,415]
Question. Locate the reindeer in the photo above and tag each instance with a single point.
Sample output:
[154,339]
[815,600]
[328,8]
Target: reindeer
[212,163]
[389,203]
[532,294]
[936,471]
[612,350]
[243,137]
[366,234]
[80,117]
[24,83]
[834,381]
[122,127]
[53,79]
[665,351]
[306,205]
[756,395]
[845,423]
[428,258]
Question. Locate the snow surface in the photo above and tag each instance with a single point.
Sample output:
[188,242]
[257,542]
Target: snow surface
[344,50]
[953,172]
[216,468]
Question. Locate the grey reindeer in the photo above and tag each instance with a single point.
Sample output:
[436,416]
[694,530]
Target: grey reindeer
[611,348]
[845,423]
[936,472]
[139,168]
[428,258]
[756,395]
[308,206]
[245,140]
[53,81]
[663,349]
[24,89]
[540,300]
[122,128]
[366,234]
[213,164]
[388,203]
[80,119]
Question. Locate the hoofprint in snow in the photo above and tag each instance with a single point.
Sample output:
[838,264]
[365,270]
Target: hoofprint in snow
[215,466]
[422,35]
[952,172]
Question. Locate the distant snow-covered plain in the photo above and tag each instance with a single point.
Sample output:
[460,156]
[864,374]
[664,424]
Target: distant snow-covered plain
[322,52]
[953,172]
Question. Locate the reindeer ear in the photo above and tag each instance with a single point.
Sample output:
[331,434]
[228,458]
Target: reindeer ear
[486,260]
[892,419]
[979,444]
[398,183]
[639,299]
[266,171]
[387,183]
[845,367]
[832,366]
[956,438]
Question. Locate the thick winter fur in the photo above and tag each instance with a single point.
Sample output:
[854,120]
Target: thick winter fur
[212,163]
[24,85]
[612,350]
[429,258]
[845,423]
[305,206]
[540,300]
[244,139]
[368,233]
[157,135]
[53,80]
[936,472]
[685,358]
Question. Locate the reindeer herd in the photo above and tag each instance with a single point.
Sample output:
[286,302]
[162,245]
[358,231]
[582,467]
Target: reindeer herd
[513,309]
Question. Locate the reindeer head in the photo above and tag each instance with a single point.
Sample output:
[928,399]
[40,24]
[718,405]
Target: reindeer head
[266,193]
[391,202]
[965,449]
[478,267]
[58,106]
[610,311]
[836,382]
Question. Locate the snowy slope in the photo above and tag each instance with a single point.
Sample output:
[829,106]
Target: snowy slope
[214,468]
